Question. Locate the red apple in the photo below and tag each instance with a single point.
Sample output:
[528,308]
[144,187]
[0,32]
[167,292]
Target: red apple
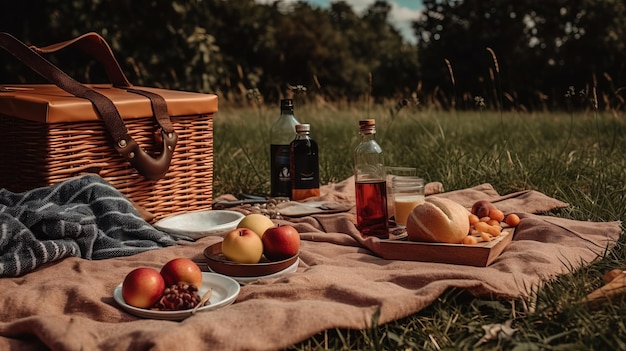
[181,270]
[143,287]
[280,242]
[242,245]
[482,208]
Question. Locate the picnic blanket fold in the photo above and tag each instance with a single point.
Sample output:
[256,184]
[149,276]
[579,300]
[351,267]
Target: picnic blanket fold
[82,217]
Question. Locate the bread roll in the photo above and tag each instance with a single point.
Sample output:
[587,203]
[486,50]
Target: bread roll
[438,220]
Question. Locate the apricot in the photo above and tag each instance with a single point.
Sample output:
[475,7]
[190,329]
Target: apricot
[470,240]
[496,214]
[493,222]
[512,220]
[482,227]
[485,236]
[473,219]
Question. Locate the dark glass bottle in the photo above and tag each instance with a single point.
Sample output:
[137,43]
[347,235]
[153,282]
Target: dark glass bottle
[370,183]
[305,167]
[282,133]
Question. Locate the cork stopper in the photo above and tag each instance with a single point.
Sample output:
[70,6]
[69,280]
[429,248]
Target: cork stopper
[367,126]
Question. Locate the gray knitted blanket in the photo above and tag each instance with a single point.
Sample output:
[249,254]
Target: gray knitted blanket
[82,217]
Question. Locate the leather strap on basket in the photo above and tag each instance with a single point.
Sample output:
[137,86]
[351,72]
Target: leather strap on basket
[151,168]
[95,46]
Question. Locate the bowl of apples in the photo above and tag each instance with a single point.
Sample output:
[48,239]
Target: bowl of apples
[244,253]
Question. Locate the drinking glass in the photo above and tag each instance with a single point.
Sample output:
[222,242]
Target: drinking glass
[393,171]
[407,193]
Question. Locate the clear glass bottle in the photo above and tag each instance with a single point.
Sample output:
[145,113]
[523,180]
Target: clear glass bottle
[305,167]
[282,132]
[370,183]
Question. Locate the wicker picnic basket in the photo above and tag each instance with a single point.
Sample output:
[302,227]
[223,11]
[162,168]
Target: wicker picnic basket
[50,134]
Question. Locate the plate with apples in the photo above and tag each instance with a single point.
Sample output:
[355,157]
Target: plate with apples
[149,293]
[245,255]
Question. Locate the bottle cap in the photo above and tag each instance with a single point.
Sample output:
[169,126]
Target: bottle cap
[303,127]
[367,126]
[286,104]
[367,122]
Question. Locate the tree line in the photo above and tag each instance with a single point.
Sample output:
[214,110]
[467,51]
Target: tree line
[519,54]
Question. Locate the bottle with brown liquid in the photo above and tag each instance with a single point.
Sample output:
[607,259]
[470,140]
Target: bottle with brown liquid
[370,183]
[305,168]
[282,133]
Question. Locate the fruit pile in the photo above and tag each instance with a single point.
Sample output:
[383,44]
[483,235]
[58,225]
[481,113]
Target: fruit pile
[174,288]
[486,222]
[257,236]
[181,296]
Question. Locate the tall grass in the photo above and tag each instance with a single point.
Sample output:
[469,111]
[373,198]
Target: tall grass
[575,156]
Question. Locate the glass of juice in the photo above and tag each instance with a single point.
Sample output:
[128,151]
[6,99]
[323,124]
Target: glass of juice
[393,172]
[407,193]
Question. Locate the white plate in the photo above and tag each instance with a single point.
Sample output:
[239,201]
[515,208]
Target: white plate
[199,224]
[225,292]
[248,280]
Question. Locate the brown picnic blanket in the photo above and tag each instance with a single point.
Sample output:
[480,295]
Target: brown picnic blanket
[68,304]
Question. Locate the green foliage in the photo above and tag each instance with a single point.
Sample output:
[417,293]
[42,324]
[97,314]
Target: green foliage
[520,55]
[157,43]
[542,47]
[225,47]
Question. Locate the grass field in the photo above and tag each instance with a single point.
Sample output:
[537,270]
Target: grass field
[577,157]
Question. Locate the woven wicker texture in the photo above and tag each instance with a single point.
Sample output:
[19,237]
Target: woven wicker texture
[37,154]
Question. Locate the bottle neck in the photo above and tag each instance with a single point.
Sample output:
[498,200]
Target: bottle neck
[302,135]
[367,136]
[287,116]
[283,130]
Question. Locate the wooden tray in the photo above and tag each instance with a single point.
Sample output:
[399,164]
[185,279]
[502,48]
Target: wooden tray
[479,255]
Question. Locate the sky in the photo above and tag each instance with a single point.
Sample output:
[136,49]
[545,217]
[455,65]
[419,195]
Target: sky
[402,12]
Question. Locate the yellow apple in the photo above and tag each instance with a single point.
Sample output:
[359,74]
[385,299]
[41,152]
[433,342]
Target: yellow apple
[242,245]
[256,222]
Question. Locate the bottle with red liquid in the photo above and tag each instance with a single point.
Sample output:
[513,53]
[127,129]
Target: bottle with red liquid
[305,167]
[370,183]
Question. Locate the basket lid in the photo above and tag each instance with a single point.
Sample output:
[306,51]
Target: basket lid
[47,103]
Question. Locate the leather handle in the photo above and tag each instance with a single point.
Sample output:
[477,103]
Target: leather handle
[95,46]
[151,168]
